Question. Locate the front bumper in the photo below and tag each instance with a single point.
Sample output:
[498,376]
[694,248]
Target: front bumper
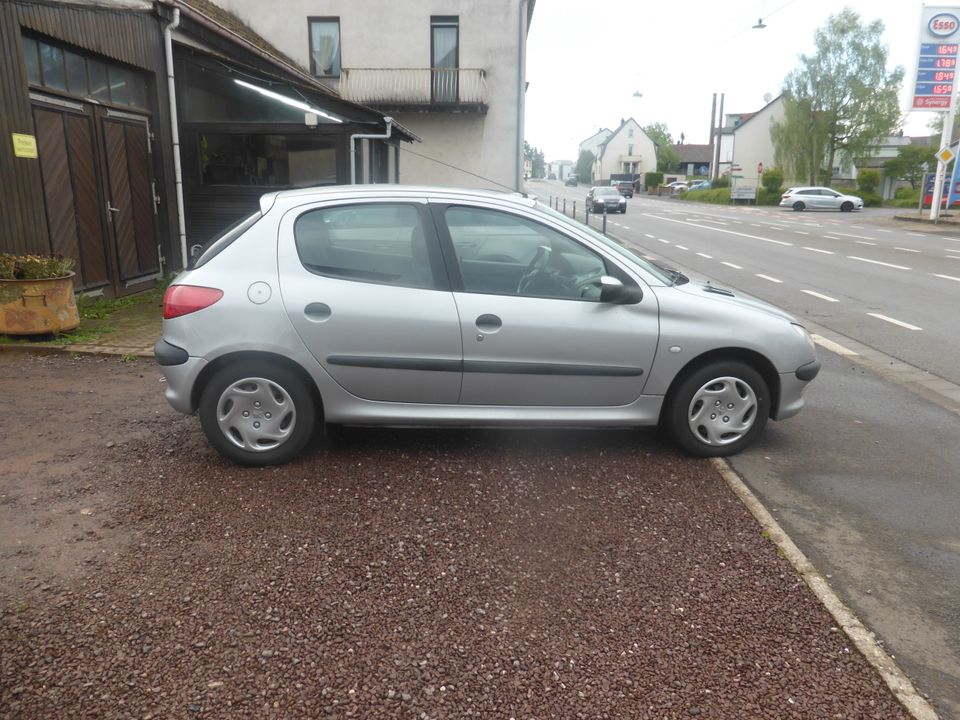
[792,386]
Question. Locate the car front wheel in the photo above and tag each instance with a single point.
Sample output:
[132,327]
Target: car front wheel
[256,413]
[718,409]
[846,207]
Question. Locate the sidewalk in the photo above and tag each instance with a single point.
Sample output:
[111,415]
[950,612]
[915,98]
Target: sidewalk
[126,331]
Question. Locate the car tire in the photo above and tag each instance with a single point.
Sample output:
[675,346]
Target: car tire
[846,207]
[799,206]
[624,211]
[257,413]
[717,409]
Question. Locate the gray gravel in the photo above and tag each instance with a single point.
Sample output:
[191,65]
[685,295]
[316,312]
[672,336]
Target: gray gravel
[388,574]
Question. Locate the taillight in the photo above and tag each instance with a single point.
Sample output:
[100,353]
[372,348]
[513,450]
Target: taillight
[184,299]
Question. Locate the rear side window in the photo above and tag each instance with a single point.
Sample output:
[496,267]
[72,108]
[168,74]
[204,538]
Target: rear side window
[202,254]
[381,243]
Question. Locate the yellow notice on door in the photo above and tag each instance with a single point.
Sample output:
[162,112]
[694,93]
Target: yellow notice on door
[24,146]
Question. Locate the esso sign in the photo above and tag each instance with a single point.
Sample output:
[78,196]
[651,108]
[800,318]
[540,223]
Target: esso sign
[943,25]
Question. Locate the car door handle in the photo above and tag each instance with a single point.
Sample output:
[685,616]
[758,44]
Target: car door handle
[489,323]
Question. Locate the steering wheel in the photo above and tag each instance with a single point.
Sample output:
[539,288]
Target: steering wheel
[534,268]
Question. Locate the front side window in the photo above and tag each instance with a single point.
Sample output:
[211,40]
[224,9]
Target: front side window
[325,47]
[381,243]
[504,254]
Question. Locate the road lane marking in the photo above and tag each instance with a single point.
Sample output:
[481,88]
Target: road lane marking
[767,277]
[648,235]
[825,252]
[864,242]
[820,295]
[901,249]
[902,324]
[916,234]
[720,230]
[704,255]
[681,247]
[862,237]
[877,262]
[730,264]
[857,227]
[831,345]
[946,277]
[667,242]
[801,232]
[953,257]
[882,230]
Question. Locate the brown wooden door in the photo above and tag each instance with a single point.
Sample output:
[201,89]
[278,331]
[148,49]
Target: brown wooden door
[130,204]
[68,165]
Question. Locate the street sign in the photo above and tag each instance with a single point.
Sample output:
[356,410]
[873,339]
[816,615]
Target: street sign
[935,76]
[945,155]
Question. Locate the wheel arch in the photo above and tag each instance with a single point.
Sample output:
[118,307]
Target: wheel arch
[253,355]
[756,360]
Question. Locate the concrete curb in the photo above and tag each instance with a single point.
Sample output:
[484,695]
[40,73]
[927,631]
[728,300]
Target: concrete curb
[892,675]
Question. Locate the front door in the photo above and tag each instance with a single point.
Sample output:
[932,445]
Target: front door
[535,332]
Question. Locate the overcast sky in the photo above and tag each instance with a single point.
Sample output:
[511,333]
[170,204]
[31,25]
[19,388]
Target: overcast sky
[586,60]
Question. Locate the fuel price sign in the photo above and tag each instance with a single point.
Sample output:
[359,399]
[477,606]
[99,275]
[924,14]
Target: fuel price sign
[937,60]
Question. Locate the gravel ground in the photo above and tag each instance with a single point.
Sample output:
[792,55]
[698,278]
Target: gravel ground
[387,574]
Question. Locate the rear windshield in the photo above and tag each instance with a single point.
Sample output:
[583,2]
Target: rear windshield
[215,246]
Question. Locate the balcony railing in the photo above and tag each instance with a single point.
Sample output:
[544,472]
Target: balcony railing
[416,88]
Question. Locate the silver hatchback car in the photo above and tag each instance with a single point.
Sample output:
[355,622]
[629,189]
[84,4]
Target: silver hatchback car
[393,305]
[819,198]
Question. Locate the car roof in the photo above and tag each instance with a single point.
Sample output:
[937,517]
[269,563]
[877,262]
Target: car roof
[354,192]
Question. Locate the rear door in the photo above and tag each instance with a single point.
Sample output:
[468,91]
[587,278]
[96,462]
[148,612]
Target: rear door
[364,285]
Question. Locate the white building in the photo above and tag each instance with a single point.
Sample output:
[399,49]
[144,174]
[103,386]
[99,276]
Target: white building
[628,150]
[452,72]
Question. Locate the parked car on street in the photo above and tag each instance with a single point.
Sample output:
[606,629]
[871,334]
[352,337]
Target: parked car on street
[625,188]
[571,181]
[700,185]
[394,305]
[819,198]
[605,199]
[678,187]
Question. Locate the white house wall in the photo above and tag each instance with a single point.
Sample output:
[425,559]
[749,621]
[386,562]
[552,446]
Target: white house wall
[616,149]
[752,144]
[482,148]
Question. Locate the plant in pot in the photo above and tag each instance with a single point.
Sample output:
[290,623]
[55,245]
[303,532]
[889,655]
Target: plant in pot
[36,294]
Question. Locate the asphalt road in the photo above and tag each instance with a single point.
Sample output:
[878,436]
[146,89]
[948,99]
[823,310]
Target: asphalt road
[865,479]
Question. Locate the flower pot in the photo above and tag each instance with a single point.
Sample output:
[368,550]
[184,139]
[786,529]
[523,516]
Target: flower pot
[36,307]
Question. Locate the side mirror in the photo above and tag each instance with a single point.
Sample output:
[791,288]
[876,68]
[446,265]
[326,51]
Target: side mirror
[615,292]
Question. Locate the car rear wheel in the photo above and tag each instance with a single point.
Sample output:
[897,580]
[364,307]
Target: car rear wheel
[257,413]
[718,409]
[847,206]
[799,206]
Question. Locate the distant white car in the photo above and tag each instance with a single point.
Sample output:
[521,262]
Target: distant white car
[678,187]
[819,198]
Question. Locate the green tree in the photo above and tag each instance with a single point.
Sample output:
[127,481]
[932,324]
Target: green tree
[772,180]
[868,180]
[667,158]
[910,164]
[585,166]
[839,101]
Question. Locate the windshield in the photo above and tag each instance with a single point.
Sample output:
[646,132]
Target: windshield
[668,277]
[605,191]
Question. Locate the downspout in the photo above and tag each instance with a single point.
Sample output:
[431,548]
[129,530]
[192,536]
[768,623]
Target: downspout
[365,136]
[175,132]
[521,91]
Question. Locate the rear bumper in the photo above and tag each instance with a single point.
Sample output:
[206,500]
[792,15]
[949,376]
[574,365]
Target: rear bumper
[181,376]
